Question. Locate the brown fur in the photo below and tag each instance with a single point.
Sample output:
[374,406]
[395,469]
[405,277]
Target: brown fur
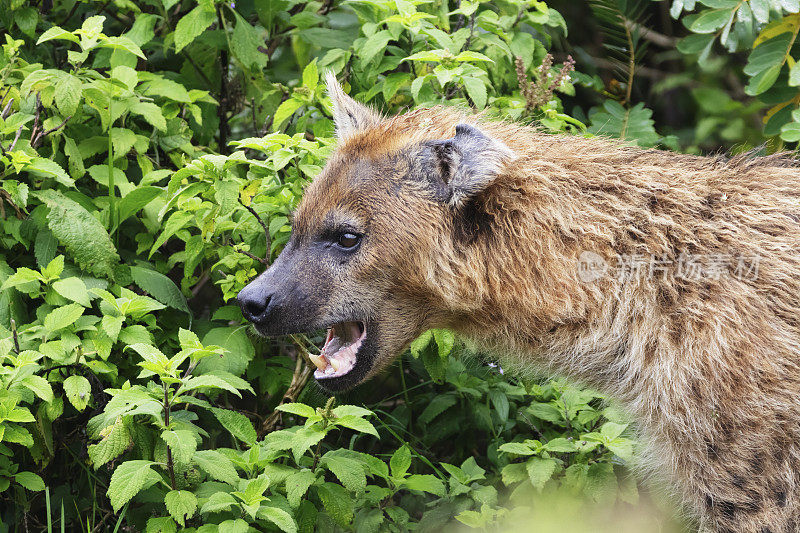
[710,369]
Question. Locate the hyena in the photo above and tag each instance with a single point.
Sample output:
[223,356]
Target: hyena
[522,243]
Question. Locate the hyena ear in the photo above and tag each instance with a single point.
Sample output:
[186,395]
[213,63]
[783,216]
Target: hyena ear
[348,115]
[468,162]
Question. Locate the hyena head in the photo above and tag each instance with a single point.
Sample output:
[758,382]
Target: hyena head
[370,237]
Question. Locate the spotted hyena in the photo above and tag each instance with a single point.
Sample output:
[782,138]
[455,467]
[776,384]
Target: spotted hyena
[671,282]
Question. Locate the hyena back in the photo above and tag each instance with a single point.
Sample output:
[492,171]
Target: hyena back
[671,282]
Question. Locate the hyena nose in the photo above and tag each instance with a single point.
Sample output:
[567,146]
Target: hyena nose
[254,304]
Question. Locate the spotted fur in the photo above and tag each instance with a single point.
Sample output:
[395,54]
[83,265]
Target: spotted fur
[709,368]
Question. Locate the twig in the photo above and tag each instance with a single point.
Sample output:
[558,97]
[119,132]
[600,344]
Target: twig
[253,257]
[197,69]
[4,95]
[302,371]
[222,110]
[7,197]
[471,32]
[200,284]
[69,15]
[651,35]
[263,224]
[36,142]
[14,335]
[169,452]
[36,116]
[7,109]
[13,143]
[97,528]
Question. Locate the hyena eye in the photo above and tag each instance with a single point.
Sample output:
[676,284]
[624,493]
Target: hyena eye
[348,240]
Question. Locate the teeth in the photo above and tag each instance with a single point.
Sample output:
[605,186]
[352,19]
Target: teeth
[335,364]
[318,360]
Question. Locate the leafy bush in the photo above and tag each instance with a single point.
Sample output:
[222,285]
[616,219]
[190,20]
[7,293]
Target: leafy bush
[152,153]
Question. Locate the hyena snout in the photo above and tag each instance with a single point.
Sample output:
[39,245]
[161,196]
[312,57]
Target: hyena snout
[277,302]
[255,303]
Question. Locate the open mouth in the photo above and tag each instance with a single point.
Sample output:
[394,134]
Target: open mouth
[338,355]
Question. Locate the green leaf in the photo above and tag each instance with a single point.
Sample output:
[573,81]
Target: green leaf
[160,287]
[437,406]
[20,415]
[182,444]
[217,466]
[237,424]
[219,501]
[349,471]
[516,448]
[115,440]
[68,91]
[57,33]
[128,480]
[400,461]
[151,113]
[763,80]
[245,43]
[469,55]
[311,75]
[123,43]
[711,20]
[29,480]
[476,90]
[209,381]
[601,483]
[425,482]
[299,409]
[62,317]
[297,485]
[374,45]
[357,424]
[337,502]
[181,504]
[175,222]
[240,350]
[78,391]
[73,289]
[286,110]
[279,517]
[39,386]
[46,168]
[136,200]
[75,163]
[85,239]
[193,24]
[540,470]
[561,445]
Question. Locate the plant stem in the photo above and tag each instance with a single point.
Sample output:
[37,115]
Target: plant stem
[112,200]
[222,110]
[170,467]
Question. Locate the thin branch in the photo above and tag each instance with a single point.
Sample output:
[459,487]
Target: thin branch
[302,371]
[169,452]
[69,15]
[197,69]
[14,334]
[7,109]
[44,134]
[651,35]
[36,117]
[253,257]
[7,197]
[263,224]
[13,143]
[4,95]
